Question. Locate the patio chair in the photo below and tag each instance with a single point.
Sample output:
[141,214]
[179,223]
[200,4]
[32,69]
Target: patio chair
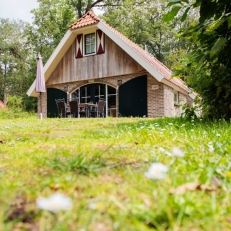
[61,106]
[99,110]
[74,108]
[93,111]
[83,111]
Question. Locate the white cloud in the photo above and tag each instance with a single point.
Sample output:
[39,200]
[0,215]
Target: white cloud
[17,9]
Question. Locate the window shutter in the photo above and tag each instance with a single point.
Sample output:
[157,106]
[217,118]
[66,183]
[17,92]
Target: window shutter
[100,42]
[79,46]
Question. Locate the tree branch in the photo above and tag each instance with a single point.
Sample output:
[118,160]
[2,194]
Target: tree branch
[93,4]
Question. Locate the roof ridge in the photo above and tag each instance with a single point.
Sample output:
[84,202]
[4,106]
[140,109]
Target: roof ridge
[77,24]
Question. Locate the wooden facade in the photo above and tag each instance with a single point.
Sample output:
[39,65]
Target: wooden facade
[114,62]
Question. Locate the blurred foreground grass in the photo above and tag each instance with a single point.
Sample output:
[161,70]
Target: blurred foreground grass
[100,165]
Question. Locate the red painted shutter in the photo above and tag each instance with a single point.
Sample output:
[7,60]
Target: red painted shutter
[79,46]
[100,42]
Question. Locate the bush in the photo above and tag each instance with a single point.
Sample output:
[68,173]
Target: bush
[14,109]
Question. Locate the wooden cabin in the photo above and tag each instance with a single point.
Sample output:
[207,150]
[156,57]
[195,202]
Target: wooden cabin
[93,60]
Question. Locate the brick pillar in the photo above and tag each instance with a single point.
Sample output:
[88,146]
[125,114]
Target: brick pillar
[42,104]
[155,98]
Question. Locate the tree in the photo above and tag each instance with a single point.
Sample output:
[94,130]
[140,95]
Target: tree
[13,58]
[82,6]
[207,68]
[51,21]
[141,21]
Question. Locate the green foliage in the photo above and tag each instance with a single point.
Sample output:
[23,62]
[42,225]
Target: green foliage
[80,164]
[218,46]
[15,103]
[14,56]
[170,15]
[6,114]
[51,21]
[190,112]
[207,68]
[15,109]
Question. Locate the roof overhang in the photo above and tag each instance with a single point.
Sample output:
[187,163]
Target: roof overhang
[54,59]
[174,86]
[192,95]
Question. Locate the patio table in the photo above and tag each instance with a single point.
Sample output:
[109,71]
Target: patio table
[86,107]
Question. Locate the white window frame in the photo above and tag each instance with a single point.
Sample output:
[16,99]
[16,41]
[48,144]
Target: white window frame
[84,44]
[176,99]
[108,95]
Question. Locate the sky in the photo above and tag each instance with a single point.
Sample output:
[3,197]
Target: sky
[17,9]
[20,9]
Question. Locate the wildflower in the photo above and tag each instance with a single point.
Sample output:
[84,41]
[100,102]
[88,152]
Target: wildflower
[211,148]
[170,124]
[177,152]
[157,171]
[165,151]
[54,203]
[93,206]
[218,134]
[228,174]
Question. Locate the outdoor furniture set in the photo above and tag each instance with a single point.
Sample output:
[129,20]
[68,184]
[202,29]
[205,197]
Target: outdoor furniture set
[75,109]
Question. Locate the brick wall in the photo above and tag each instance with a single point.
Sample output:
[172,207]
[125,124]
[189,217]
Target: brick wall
[171,109]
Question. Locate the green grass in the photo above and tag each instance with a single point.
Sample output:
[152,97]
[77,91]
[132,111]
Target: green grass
[100,165]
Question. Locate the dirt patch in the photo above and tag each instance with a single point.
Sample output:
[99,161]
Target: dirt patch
[17,210]
[100,226]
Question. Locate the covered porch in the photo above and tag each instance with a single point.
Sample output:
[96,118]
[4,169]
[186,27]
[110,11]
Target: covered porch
[122,96]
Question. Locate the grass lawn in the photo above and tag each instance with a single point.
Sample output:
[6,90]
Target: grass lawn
[102,165]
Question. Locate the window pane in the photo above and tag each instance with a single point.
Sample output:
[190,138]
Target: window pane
[112,101]
[96,90]
[88,49]
[102,90]
[111,90]
[88,91]
[93,48]
[90,43]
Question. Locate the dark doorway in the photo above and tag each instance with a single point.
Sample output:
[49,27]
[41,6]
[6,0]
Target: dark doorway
[133,97]
[52,94]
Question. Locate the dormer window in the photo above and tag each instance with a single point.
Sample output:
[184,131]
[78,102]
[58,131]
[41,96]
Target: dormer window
[90,44]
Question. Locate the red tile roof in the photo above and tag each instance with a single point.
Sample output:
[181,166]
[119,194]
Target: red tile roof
[90,18]
[2,105]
